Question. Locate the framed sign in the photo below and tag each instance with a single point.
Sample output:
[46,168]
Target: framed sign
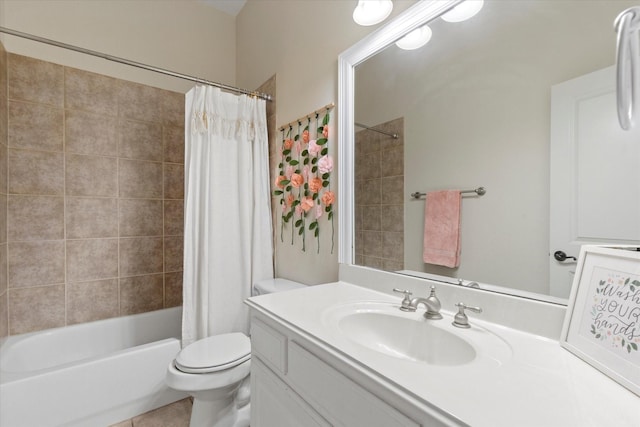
[602,325]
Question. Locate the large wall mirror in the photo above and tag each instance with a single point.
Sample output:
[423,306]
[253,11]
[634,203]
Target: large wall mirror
[519,100]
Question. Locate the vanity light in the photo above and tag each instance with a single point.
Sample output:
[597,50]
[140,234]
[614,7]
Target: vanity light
[463,11]
[415,39]
[371,12]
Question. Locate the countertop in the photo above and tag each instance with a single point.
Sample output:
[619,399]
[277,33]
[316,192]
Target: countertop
[537,383]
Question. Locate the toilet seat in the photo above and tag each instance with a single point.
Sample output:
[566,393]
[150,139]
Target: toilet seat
[215,353]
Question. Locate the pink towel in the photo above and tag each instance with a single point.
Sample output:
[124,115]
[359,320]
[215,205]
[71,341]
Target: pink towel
[442,228]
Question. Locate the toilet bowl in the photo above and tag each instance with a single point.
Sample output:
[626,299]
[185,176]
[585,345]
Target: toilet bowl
[215,372]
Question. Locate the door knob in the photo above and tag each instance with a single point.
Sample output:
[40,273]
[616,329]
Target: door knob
[561,256]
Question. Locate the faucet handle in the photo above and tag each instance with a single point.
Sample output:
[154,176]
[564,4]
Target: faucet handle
[406,301]
[460,319]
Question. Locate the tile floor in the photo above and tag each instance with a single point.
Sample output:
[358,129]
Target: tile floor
[174,415]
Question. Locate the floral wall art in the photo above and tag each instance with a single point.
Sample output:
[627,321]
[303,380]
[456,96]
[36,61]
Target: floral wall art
[303,180]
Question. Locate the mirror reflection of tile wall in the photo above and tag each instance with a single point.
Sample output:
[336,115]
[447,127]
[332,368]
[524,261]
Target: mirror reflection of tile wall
[379,197]
[4,328]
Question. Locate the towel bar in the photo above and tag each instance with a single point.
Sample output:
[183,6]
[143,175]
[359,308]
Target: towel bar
[480,191]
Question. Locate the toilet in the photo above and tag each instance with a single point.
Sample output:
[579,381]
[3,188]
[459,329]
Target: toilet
[215,371]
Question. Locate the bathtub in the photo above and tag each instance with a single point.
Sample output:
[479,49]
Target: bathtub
[91,374]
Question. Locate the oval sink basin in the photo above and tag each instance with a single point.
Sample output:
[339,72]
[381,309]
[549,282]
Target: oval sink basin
[384,329]
[417,340]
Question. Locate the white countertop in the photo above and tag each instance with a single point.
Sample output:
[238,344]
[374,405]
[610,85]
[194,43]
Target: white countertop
[539,384]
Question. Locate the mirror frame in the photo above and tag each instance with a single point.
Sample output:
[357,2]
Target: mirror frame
[414,17]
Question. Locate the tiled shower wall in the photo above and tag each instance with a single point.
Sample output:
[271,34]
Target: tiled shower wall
[4,330]
[379,197]
[94,188]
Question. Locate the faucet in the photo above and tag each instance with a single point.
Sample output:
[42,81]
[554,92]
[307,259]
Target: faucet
[432,303]
[461,320]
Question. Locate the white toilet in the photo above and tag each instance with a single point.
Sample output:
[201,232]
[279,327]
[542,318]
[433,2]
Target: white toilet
[215,372]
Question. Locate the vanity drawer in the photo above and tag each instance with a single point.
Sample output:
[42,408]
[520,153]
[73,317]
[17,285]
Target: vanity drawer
[269,345]
[341,401]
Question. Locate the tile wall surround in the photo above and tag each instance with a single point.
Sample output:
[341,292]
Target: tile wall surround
[92,198]
[379,197]
[4,328]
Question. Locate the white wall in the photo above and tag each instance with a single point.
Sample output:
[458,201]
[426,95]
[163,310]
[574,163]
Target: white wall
[300,41]
[184,36]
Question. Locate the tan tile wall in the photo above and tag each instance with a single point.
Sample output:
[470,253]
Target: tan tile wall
[4,324]
[379,197]
[95,188]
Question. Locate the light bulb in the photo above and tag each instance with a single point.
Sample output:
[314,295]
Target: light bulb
[371,12]
[463,11]
[415,39]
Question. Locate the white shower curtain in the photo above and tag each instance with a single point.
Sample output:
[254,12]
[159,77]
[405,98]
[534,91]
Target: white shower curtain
[227,236]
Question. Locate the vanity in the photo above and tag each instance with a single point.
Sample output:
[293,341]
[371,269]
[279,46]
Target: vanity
[344,354]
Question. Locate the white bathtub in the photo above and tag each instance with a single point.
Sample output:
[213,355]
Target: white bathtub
[92,374]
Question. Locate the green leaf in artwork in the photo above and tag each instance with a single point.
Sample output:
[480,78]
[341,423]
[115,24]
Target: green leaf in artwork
[626,282]
[280,165]
[314,169]
[286,152]
[278,192]
[297,137]
[325,183]
[622,343]
[298,223]
[306,161]
[326,175]
[315,196]
[285,219]
[289,215]
[321,141]
[324,151]
[325,121]
[330,216]
[305,152]
[313,225]
[306,127]
[288,188]
[634,346]
[327,209]
[288,159]
[294,162]
[320,129]
[316,232]
[314,160]
[597,335]
[301,231]
[285,182]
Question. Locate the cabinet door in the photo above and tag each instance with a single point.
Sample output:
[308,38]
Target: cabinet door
[273,404]
[336,397]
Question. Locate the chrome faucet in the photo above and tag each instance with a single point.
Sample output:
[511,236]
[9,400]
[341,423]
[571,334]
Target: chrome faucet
[432,303]
[460,319]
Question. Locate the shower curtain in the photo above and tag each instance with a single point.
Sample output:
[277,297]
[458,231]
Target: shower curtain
[227,236]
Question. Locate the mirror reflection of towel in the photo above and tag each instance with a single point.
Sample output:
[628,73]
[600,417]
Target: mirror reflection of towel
[441,244]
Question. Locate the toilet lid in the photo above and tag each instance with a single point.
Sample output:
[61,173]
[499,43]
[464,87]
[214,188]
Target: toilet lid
[215,353]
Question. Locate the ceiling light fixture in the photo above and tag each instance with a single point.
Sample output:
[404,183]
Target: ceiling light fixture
[463,11]
[415,39]
[371,12]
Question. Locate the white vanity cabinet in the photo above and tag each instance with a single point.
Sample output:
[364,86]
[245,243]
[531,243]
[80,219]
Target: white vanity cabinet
[295,383]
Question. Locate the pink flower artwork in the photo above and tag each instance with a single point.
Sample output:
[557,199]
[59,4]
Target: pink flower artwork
[314,149]
[325,164]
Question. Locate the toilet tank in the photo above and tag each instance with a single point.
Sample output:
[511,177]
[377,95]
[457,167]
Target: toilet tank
[269,286]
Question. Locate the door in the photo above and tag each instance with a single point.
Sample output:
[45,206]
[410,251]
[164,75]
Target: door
[594,173]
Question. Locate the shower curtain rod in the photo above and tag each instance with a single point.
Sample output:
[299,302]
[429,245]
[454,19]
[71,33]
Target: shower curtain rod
[392,135]
[133,63]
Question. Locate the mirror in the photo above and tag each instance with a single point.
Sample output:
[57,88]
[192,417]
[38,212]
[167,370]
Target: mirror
[471,108]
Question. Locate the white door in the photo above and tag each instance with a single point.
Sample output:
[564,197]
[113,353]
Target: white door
[595,173]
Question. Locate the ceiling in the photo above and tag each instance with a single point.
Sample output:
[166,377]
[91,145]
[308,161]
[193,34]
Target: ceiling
[232,7]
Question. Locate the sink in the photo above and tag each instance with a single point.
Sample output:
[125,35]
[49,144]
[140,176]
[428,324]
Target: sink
[404,338]
[382,328]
